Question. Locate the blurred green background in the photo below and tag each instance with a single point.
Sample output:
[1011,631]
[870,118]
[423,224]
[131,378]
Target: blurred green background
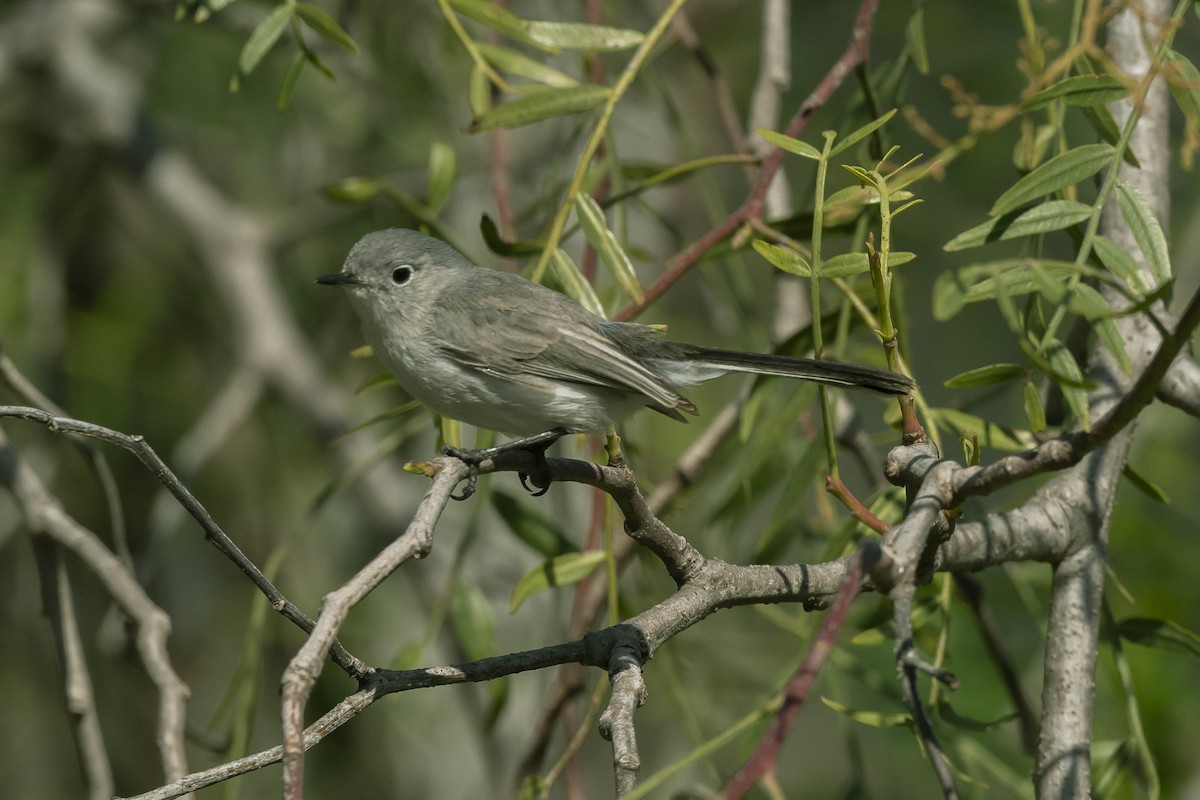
[108,304]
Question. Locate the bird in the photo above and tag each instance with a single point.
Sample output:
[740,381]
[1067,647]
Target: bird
[501,352]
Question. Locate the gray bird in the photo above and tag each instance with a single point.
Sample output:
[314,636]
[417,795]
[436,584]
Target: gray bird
[501,352]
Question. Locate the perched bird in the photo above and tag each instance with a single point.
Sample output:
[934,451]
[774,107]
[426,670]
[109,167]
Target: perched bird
[501,352]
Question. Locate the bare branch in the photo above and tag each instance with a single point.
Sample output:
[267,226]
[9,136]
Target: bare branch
[616,723]
[213,532]
[46,517]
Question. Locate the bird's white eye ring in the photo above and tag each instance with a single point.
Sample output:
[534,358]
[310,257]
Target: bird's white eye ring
[402,274]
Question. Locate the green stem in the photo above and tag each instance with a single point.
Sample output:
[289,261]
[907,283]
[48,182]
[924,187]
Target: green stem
[624,80]
[814,295]
[1114,169]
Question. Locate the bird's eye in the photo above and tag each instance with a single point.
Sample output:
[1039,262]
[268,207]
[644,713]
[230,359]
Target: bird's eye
[402,274]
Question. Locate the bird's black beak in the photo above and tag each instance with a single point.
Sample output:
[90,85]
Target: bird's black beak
[340,279]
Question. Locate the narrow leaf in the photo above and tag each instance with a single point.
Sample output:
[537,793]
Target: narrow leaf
[472,617]
[289,80]
[1146,230]
[263,37]
[787,260]
[573,284]
[796,146]
[952,290]
[581,36]
[352,190]
[494,16]
[1089,304]
[595,228]
[914,36]
[441,175]
[1030,149]
[847,264]
[519,64]
[1079,90]
[1145,485]
[1052,215]
[561,570]
[323,24]
[1056,174]
[990,434]
[541,106]
[1064,364]
[875,719]
[1035,411]
[479,92]
[1161,633]
[501,247]
[1102,122]
[1121,264]
[531,526]
[1184,83]
[987,376]
[860,134]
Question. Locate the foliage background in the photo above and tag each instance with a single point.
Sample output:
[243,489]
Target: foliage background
[105,304]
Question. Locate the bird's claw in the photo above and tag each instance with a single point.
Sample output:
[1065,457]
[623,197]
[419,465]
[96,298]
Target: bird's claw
[534,490]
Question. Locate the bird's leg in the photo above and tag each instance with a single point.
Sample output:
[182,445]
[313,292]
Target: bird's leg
[536,444]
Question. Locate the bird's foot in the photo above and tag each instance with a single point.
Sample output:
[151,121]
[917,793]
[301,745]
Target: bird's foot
[535,445]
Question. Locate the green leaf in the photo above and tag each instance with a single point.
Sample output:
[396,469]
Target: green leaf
[1030,149]
[1145,485]
[1089,304]
[1056,174]
[1161,633]
[519,64]
[472,617]
[1146,230]
[975,282]
[1079,90]
[541,106]
[501,247]
[581,36]
[1121,264]
[561,570]
[785,259]
[311,57]
[352,190]
[1184,83]
[532,527]
[1052,215]
[846,204]
[479,92]
[441,175]
[914,36]
[990,434]
[860,134]
[289,80]
[595,228]
[494,16]
[847,264]
[1102,122]
[1064,364]
[791,145]
[987,376]
[573,284]
[263,37]
[323,24]
[1035,411]
[875,719]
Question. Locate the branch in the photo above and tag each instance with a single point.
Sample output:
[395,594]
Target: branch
[762,762]
[213,532]
[46,517]
[751,210]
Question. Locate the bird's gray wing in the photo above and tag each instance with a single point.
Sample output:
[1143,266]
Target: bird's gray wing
[547,339]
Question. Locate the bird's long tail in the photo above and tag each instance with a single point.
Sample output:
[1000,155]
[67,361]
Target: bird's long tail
[831,373]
